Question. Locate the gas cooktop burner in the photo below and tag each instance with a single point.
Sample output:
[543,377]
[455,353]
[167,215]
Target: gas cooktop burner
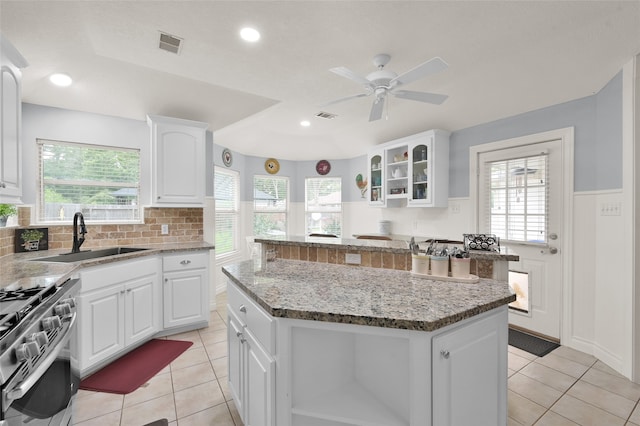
[22,294]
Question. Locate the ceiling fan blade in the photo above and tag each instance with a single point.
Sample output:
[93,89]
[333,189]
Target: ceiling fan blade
[347,73]
[376,109]
[346,98]
[430,98]
[432,66]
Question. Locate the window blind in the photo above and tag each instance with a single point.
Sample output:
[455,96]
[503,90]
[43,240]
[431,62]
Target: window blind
[101,182]
[518,190]
[270,205]
[226,194]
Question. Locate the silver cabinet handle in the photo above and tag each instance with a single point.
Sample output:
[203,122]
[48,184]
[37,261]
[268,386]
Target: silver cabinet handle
[445,354]
[185,262]
[241,336]
[243,309]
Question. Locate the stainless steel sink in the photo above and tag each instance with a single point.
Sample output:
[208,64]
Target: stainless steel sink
[89,254]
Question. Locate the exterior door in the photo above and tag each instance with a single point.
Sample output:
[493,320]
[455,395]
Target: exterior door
[521,187]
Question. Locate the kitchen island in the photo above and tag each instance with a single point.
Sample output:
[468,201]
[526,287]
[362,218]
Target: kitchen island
[364,346]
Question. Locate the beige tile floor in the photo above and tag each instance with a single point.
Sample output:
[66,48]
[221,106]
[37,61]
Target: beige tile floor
[565,387]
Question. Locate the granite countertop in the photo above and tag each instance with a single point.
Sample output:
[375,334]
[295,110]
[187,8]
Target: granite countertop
[367,296]
[399,246]
[20,270]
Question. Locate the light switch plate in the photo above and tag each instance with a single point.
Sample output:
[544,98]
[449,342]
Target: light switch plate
[164,229]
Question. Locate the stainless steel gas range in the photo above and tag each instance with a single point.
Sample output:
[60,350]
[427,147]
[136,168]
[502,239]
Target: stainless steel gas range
[38,369]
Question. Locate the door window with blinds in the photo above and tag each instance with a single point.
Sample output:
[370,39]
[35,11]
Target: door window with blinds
[270,205]
[226,193]
[101,182]
[323,205]
[518,190]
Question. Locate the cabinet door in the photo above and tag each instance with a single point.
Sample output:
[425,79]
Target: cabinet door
[420,153]
[179,161]
[10,112]
[101,325]
[377,184]
[142,309]
[469,367]
[260,394]
[235,348]
[185,297]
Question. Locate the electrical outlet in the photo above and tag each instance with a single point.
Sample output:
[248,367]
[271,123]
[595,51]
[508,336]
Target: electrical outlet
[353,258]
[455,208]
[164,229]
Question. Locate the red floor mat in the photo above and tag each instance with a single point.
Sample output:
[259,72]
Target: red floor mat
[134,369]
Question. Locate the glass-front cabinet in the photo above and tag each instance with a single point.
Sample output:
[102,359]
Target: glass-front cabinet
[414,168]
[377,178]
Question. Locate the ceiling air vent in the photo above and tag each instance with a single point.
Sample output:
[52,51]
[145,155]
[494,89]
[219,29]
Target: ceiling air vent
[326,115]
[170,43]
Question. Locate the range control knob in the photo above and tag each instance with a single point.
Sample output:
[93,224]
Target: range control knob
[62,309]
[40,338]
[27,350]
[51,323]
[70,301]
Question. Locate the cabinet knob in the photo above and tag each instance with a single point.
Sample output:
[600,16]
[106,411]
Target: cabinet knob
[121,291]
[445,354]
[166,280]
[3,185]
[185,262]
[243,309]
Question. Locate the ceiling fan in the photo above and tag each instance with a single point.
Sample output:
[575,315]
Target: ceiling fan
[382,82]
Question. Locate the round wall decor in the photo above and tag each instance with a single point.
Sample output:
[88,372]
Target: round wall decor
[227,158]
[272,166]
[323,167]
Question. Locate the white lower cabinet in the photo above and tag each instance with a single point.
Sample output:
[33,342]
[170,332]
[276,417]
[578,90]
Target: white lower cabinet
[186,288]
[331,374]
[470,373]
[119,306]
[251,365]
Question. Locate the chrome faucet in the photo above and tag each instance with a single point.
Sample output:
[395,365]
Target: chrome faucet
[77,242]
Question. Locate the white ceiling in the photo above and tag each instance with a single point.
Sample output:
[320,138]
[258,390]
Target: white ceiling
[505,58]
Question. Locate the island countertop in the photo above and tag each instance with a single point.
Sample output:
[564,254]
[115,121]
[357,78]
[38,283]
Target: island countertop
[361,295]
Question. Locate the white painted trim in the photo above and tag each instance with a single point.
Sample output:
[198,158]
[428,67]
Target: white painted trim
[598,192]
[631,357]
[567,137]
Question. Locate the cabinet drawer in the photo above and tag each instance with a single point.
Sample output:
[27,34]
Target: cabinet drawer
[259,323]
[184,261]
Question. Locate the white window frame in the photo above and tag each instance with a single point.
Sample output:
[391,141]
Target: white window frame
[234,212]
[257,210]
[309,210]
[68,216]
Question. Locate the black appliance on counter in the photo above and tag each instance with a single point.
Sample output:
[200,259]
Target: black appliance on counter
[38,369]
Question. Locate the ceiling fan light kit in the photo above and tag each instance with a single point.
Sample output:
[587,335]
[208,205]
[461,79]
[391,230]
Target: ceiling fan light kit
[383,82]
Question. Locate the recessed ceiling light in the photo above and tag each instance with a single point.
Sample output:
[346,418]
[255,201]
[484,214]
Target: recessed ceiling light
[250,34]
[62,80]
[305,123]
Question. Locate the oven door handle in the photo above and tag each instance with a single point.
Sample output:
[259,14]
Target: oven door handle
[24,386]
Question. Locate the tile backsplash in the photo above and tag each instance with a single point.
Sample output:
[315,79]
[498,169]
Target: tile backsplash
[185,225]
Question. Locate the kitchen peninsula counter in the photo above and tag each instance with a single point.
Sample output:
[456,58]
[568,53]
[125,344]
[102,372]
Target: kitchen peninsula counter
[386,254]
[312,343]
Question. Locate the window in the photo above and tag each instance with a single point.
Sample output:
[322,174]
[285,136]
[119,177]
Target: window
[226,185]
[270,204]
[101,182]
[518,208]
[323,205]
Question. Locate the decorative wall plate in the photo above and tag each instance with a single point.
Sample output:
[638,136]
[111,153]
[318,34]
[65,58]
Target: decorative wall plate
[323,167]
[227,158]
[272,166]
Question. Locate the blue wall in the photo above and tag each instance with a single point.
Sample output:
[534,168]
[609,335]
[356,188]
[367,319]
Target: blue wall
[597,121]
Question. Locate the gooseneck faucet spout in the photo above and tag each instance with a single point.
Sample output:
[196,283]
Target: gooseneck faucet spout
[77,242]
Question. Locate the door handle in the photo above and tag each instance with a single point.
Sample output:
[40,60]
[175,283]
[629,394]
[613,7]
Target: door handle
[553,250]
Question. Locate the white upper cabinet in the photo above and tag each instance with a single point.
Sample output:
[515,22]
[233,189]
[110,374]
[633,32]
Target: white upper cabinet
[178,166]
[413,169]
[11,123]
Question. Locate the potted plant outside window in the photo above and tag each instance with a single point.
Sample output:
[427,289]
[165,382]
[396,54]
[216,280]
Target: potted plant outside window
[6,210]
